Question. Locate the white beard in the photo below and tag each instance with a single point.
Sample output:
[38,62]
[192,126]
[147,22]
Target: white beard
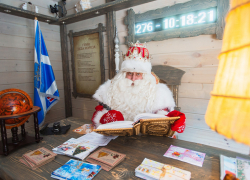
[131,98]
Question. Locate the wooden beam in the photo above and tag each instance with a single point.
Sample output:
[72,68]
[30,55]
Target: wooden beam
[222,10]
[24,13]
[100,10]
[72,62]
[111,24]
[180,8]
[129,20]
[66,78]
[86,14]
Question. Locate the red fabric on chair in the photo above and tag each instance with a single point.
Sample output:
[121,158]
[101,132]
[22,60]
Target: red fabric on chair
[180,124]
[111,116]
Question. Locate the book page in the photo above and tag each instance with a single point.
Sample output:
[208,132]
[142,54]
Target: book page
[117,125]
[147,116]
[75,148]
[96,139]
[82,150]
[69,145]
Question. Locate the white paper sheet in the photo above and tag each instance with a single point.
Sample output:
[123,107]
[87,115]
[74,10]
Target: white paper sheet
[96,139]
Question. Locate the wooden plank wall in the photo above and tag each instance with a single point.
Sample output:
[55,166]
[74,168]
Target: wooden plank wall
[195,55]
[198,57]
[84,107]
[17,55]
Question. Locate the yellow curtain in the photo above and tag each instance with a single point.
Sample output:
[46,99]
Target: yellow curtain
[228,110]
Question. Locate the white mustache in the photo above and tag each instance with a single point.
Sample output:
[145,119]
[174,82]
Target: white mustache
[129,82]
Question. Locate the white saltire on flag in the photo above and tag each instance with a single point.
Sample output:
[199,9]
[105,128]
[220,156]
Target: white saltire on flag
[45,89]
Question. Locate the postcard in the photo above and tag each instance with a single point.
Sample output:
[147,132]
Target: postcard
[227,166]
[106,158]
[185,155]
[243,168]
[150,169]
[74,169]
[84,129]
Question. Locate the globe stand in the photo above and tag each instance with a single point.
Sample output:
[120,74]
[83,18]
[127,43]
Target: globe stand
[11,144]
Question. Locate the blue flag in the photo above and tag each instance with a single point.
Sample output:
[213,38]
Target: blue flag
[45,89]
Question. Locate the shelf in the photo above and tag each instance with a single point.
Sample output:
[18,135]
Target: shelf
[102,9]
[87,14]
[26,14]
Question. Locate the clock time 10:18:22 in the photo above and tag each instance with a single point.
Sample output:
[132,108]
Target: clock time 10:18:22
[178,21]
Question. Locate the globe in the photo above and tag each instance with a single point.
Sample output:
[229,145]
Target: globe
[14,101]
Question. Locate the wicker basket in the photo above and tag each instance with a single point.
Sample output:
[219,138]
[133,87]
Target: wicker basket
[156,127]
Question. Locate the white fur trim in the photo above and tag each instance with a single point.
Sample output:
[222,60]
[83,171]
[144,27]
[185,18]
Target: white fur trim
[163,112]
[136,66]
[98,117]
[163,98]
[101,93]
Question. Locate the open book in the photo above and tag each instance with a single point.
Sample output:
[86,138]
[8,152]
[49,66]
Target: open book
[145,123]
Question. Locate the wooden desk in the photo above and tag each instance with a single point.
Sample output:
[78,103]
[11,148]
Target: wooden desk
[136,148]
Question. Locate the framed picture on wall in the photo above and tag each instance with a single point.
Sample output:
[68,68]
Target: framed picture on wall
[87,57]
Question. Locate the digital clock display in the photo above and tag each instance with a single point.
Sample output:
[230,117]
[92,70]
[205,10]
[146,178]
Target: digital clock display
[204,16]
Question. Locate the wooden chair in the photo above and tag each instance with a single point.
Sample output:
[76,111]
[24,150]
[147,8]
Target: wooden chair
[172,77]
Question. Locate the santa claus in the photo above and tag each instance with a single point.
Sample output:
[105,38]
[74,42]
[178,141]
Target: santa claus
[134,90]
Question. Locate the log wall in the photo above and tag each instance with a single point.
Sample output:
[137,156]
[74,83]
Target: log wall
[17,55]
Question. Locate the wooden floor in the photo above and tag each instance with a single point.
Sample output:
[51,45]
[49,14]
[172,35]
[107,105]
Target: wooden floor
[135,147]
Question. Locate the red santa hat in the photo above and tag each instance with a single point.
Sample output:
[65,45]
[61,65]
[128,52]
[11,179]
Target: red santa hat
[137,59]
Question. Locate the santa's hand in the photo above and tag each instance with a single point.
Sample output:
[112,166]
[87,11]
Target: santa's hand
[99,111]
[103,116]
[180,124]
[111,116]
